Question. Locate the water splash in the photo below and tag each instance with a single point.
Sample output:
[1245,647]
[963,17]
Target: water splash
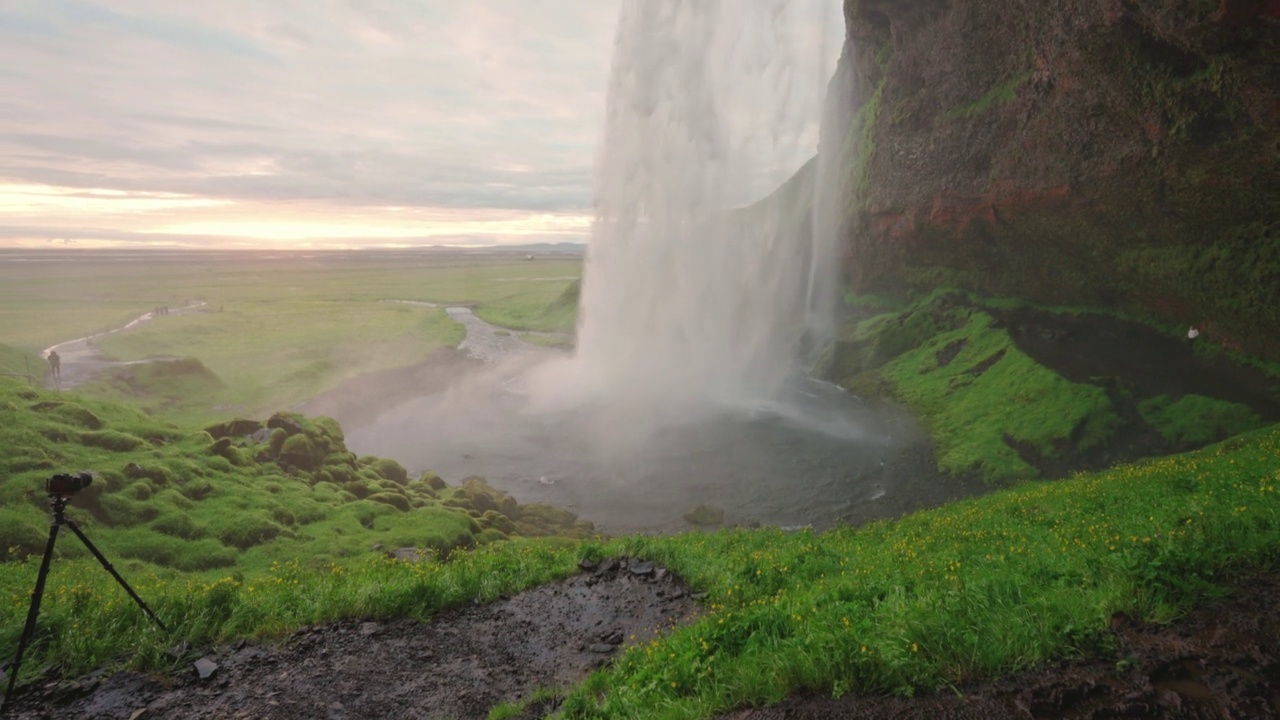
[705,293]
[701,288]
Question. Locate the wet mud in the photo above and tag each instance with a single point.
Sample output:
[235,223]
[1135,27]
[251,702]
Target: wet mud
[458,665]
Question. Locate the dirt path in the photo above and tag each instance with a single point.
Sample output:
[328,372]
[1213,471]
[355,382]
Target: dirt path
[457,666]
[82,359]
[1221,661]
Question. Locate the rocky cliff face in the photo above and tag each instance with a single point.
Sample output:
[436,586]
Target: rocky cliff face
[1102,152]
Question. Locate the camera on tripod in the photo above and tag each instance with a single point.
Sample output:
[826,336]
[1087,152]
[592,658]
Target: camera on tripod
[60,488]
[65,484]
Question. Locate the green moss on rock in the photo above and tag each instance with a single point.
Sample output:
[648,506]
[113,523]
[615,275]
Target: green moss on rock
[1193,420]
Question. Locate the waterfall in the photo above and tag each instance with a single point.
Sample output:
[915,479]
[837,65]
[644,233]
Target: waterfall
[705,276]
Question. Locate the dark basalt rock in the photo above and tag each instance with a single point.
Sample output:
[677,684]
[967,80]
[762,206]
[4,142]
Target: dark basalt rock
[1103,153]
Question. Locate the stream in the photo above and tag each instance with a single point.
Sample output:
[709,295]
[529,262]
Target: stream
[817,457]
[82,359]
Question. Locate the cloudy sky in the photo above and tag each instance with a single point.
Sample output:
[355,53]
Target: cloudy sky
[274,123]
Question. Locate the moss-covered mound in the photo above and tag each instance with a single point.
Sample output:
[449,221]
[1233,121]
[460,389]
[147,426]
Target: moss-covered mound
[241,492]
[1012,392]
[22,365]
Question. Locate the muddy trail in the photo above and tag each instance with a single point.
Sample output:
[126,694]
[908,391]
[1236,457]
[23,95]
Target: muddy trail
[458,665]
[1220,661]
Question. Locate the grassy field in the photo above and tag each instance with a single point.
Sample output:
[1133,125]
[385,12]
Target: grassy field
[236,538]
[274,329]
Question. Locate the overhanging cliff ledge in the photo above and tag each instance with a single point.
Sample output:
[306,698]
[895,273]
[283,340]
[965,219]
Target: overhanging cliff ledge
[1098,152]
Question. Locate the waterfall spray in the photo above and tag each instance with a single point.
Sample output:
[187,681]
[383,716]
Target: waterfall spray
[710,281]
[702,282]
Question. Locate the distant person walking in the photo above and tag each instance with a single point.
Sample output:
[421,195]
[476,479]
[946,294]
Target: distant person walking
[55,364]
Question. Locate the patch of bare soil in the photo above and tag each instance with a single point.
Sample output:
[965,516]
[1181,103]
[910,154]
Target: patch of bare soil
[459,665]
[1222,661]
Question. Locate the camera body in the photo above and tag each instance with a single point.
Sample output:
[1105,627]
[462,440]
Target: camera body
[65,484]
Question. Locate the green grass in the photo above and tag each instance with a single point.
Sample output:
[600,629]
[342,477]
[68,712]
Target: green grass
[979,395]
[229,538]
[87,619]
[1195,419]
[197,500]
[860,146]
[275,329]
[974,589]
[196,507]
[549,307]
[998,95]
[274,355]
[21,364]
[971,414]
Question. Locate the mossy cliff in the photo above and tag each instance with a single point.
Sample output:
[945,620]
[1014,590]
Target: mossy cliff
[1095,152]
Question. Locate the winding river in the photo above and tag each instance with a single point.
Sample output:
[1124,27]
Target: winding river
[818,458]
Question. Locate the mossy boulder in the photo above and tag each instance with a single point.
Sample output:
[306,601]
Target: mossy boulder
[224,448]
[160,475]
[490,535]
[71,414]
[546,518]
[237,428]
[400,502]
[245,530]
[480,495]
[704,515]
[179,525]
[119,509]
[434,481]
[385,468]
[497,521]
[113,440]
[301,452]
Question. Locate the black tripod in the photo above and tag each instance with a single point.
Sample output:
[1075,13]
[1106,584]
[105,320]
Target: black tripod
[59,519]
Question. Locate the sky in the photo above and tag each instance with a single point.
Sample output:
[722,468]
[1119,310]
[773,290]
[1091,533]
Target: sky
[300,123]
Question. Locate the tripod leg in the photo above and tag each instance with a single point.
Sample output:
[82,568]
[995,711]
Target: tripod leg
[102,559]
[32,614]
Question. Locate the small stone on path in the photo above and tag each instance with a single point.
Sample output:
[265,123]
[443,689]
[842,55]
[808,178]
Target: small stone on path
[205,668]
